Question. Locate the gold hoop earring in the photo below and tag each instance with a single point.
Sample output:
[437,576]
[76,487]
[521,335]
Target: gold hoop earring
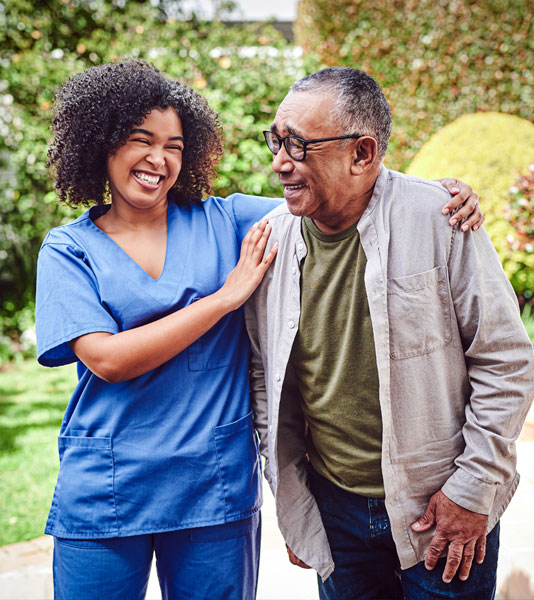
[107,192]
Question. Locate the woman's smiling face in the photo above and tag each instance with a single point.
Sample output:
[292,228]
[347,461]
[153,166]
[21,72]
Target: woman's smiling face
[143,170]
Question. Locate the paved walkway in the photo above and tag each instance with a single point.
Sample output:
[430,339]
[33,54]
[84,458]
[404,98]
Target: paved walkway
[25,568]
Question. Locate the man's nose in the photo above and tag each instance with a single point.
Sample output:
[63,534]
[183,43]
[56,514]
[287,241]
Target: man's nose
[282,162]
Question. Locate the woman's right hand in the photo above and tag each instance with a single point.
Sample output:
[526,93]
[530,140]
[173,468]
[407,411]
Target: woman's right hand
[251,267]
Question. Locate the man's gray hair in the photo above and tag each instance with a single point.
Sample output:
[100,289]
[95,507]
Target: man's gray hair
[360,104]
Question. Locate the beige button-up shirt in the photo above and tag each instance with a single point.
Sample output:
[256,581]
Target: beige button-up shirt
[455,365]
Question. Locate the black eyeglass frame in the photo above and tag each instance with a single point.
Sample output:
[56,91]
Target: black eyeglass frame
[283,140]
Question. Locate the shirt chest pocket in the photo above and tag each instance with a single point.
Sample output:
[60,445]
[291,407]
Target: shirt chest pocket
[419,313]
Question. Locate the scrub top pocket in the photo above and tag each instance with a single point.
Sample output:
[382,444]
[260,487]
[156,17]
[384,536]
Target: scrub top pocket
[239,466]
[84,502]
[216,348]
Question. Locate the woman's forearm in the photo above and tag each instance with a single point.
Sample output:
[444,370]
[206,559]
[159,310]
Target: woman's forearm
[128,354]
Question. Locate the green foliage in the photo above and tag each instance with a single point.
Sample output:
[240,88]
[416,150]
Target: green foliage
[32,402]
[243,71]
[436,59]
[527,316]
[486,150]
[520,211]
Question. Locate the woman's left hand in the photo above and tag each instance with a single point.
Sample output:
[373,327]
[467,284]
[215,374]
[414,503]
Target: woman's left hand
[464,196]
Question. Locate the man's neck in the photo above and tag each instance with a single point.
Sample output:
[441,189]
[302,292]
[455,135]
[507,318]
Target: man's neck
[352,210]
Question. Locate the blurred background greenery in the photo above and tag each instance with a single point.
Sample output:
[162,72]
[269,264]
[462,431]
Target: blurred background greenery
[459,76]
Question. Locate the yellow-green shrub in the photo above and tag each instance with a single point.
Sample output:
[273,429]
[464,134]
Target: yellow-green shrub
[486,150]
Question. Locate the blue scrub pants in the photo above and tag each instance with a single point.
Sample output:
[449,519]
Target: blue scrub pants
[367,566]
[193,564]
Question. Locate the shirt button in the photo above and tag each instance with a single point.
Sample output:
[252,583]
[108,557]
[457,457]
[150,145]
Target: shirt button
[270,428]
[294,269]
[291,324]
[300,246]
[277,377]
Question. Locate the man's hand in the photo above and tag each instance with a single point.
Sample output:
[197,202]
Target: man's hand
[462,194]
[295,560]
[464,531]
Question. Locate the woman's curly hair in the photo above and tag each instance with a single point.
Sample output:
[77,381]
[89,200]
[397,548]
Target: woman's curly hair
[97,109]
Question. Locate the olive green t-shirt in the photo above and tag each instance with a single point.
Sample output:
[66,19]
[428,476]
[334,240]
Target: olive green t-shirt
[334,359]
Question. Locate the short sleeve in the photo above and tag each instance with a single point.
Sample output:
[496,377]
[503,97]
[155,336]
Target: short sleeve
[247,210]
[68,303]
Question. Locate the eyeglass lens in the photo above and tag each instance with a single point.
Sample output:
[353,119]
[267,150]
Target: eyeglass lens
[294,147]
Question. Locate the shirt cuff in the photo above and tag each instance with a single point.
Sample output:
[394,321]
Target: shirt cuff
[469,492]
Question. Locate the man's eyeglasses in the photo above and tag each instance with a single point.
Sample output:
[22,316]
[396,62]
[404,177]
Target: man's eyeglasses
[295,146]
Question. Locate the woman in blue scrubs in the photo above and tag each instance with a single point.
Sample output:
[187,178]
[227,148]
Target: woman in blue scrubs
[157,447]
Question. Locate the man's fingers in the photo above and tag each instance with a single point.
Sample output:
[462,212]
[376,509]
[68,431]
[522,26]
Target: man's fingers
[295,560]
[454,558]
[427,519]
[480,550]
[467,561]
[437,545]
[302,564]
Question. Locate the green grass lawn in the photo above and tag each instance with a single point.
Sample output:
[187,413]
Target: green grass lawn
[32,402]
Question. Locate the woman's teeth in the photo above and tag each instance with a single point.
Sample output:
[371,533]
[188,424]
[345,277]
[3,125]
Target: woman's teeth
[152,179]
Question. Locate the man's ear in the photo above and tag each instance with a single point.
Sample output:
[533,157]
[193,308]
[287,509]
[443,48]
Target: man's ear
[364,155]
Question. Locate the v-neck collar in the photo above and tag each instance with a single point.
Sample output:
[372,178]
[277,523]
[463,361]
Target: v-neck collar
[97,211]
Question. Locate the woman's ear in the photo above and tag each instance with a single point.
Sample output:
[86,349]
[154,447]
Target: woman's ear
[364,155]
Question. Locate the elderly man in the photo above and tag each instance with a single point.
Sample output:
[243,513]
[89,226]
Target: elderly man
[391,372]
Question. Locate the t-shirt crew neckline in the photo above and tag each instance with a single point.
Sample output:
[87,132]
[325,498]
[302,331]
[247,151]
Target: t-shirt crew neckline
[329,237]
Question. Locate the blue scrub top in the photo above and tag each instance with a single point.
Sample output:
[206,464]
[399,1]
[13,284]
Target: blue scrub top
[174,448]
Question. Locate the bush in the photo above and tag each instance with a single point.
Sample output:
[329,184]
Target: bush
[436,59]
[486,150]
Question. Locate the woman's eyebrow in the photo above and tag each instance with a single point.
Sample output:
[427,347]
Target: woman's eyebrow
[142,131]
[149,133]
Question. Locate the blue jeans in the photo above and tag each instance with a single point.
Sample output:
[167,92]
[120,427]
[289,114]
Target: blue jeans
[367,566]
[192,564]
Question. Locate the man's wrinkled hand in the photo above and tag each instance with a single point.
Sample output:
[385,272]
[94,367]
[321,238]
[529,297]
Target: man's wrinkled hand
[463,531]
[295,560]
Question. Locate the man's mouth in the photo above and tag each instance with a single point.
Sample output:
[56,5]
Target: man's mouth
[297,186]
[152,180]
